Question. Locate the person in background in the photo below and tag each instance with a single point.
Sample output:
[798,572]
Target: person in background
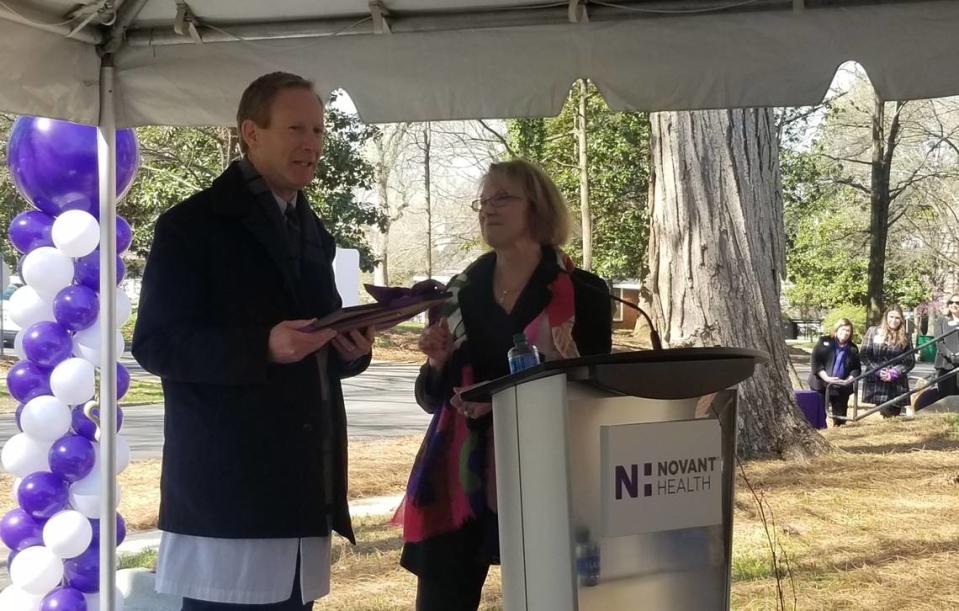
[525,284]
[882,343]
[835,360]
[947,349]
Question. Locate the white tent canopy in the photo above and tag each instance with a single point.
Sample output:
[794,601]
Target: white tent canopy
[186,63]
[124,63]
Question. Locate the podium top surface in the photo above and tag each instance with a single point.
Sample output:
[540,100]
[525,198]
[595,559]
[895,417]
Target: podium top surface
[677,373]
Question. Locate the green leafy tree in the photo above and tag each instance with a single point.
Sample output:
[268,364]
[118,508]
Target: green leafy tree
[618,163]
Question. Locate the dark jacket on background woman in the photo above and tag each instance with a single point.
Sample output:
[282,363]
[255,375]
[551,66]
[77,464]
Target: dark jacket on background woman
[947,354]
[841,361]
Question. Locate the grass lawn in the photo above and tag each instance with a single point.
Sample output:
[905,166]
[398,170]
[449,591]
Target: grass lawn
[143,391]
[872,525]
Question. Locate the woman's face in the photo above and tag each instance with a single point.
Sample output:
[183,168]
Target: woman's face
[504,212]
[893,320]
[953,305]
[843,334]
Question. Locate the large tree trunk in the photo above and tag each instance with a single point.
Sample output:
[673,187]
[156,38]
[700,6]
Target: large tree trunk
[717,255]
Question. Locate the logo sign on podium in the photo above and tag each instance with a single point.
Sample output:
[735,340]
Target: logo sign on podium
[661,476]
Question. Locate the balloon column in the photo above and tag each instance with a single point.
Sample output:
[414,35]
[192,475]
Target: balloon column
[53,534]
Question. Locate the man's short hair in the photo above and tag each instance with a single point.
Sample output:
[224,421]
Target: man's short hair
[258,98]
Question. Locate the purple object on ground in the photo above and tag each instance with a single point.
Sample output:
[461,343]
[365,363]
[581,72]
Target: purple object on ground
[813,407]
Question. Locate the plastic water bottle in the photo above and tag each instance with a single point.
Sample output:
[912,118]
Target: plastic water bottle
[587,560]
[522,355]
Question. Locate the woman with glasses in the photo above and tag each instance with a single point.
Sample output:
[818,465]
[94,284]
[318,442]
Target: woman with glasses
[525,284]
[947,349]
[835,361]
[882,343]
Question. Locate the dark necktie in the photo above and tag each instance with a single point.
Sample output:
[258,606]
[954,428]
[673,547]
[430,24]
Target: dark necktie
[292,222]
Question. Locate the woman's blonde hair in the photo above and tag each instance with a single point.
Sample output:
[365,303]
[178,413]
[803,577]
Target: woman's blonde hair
[897,337]
[549,216]
[843,322]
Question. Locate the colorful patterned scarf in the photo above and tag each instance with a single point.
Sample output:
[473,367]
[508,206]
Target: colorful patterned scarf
[454,478]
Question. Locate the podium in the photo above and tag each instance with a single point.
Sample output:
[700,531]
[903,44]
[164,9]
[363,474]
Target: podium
[631,455]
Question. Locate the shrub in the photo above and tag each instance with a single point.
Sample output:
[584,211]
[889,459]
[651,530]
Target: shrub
[855,313]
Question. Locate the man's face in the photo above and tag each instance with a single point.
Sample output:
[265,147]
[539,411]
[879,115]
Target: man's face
[286,152]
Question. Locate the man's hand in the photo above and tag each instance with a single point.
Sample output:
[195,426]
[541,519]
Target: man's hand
[288,344]
[354,345]
[436,344]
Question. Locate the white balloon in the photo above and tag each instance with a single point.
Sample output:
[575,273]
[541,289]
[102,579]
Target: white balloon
[93,601]
[85,495]
[23,455]
[14,599]
[86,343]
[124,308]
[45,418]
[75,233]
[35,570]
[48,271]
[73,381]
[122,455]
[28,307]
[18,344]
[67,534]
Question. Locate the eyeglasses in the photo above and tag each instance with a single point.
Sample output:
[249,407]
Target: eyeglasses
[953,302]
[496,201]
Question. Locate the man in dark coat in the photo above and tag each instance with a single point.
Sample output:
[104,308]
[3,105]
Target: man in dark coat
[254,459]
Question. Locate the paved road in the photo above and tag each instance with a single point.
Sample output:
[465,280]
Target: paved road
[379,403]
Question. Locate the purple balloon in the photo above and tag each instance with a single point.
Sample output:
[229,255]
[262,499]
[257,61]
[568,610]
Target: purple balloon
[13,554]
[121,531]
[27,380]
[54,163]
[46,343]
[88,270]
[42,494]
[17,416]
[19,530]
[31,229]
[64,599]
[83,572]
[124,234]
[76,307]
[87,428]
[123,381]
[72,457]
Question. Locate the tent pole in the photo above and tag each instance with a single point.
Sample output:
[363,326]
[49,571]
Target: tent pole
[106,155]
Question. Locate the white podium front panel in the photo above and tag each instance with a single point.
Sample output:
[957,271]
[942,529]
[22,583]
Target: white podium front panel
[549,477]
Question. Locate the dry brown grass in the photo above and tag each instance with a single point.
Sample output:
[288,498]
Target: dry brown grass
[399,344]
[874,525]
[378,467]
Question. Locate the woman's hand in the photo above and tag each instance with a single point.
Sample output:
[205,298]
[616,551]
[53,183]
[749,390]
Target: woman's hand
[435,342]
[470,409]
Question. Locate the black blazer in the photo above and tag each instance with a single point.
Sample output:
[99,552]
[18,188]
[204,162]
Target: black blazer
[824,357]
[948,347]
[251,448]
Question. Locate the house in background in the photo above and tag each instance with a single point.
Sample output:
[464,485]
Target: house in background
[623,317]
